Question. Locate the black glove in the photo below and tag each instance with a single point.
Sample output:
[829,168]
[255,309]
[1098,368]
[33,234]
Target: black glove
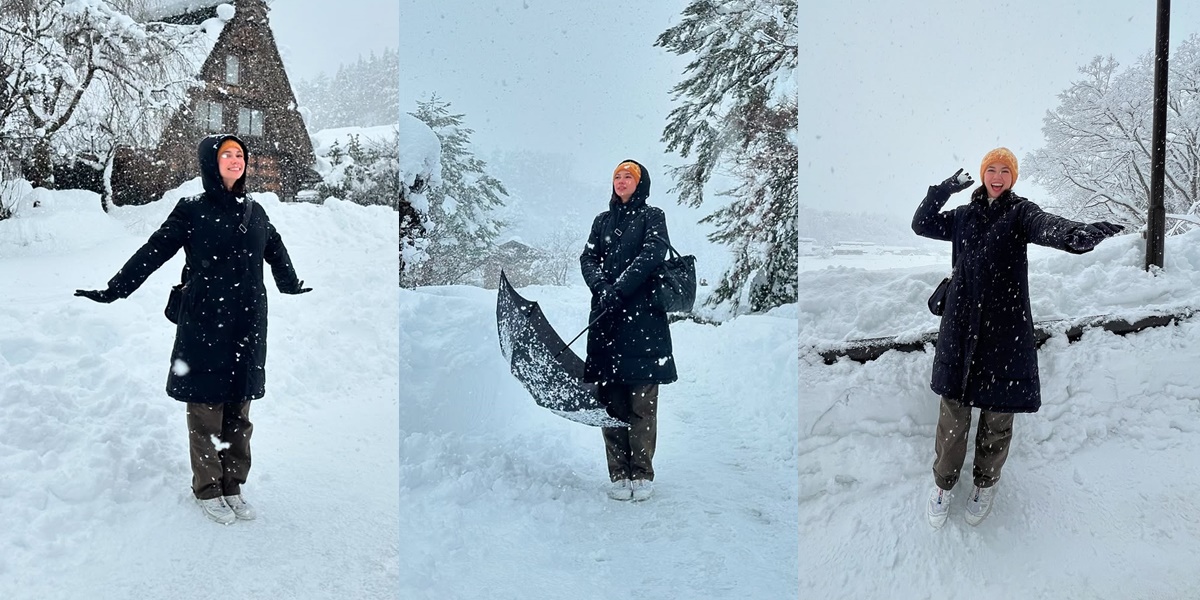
[1108,229]
[299,289]
[610,300]
[955,184]
[1086,238]
[105,295]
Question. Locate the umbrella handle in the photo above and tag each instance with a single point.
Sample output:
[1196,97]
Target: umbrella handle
[589,326]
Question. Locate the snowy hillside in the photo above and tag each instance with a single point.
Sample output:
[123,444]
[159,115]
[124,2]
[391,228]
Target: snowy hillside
[1097,497]
[94,474]
[503,496]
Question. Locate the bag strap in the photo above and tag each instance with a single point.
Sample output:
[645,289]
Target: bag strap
[673,253]
[246,217]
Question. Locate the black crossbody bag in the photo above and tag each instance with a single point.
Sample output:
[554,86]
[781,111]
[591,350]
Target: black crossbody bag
[175,297]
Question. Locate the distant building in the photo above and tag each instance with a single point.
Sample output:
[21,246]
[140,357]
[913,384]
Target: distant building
[523,265]
[806,246]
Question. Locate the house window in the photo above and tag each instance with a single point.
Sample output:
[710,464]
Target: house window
[210,116]
[231,69]
[250,122]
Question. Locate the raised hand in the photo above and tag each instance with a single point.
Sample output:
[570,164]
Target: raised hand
[106,295]
[957,182]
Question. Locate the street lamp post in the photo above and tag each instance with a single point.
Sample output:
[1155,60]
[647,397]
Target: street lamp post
[1156,220]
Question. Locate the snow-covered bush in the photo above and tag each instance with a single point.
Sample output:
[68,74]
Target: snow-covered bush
[364,171]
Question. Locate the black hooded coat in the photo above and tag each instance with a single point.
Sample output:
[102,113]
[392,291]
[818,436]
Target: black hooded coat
[986,354]
[627,243]
[220,347]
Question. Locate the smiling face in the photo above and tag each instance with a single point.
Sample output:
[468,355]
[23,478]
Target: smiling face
[624,184]
[231,163]
[997,177]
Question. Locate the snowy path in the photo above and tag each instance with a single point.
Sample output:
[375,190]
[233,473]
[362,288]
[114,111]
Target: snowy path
[1097,499]
[505,500]
[94,475]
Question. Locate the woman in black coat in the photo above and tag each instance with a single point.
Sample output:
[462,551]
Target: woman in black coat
[986,355]
[629,348]
[219,358]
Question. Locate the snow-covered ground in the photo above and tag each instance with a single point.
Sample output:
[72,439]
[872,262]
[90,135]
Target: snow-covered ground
[503,499]
[95,496]
[1098,498]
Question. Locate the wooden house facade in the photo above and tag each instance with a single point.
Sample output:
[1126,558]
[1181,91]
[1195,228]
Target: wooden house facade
[243,89]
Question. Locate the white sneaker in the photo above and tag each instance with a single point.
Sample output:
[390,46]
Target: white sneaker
[217,510]
[620,490]
[979,505]
[939,507]
[241,509]
[642,489]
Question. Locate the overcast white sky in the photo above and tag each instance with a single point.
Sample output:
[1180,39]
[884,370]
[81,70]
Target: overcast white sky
[894,96]
[316,36]
[578,78]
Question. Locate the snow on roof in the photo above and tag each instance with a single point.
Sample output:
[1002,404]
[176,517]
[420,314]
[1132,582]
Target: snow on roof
[167,91]
[157,10]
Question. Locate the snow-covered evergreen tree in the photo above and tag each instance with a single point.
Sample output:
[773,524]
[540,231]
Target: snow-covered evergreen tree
[460,225]
[738,116]
[365,93]
[1096,161]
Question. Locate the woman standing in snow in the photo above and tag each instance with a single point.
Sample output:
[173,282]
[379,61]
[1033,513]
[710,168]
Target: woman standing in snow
[629,348]
[986,356]
[218,361]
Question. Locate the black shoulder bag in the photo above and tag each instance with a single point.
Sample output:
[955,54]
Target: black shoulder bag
[175,298]
[674,282]
[937,300]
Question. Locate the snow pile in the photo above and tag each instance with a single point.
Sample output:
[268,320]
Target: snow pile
[56,223]
[420,158]
[503,496]
[1109,280]
[1096,500]
[94,475]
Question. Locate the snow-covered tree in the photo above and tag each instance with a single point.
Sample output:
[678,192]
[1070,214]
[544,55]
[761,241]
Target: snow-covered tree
[365,172]
[1096,161]
[63,57]
[365,93]
[738,117]
[460,224]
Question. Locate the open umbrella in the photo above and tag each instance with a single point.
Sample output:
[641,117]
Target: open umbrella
[540,360]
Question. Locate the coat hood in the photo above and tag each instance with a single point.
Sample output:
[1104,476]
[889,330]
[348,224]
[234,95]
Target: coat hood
[210,175]
[640,193]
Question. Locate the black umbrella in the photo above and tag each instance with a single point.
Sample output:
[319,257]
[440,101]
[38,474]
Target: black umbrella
[540,361]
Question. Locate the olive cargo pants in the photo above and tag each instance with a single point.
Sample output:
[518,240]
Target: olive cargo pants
[219,437]
[630,449]
[992,440]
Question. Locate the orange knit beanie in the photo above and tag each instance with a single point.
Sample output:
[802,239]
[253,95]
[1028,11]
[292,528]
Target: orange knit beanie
[1003,156]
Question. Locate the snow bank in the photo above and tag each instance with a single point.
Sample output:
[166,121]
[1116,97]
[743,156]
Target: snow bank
[841,303]
[503,496]
[49,223]
[1096,498]
[94,475]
